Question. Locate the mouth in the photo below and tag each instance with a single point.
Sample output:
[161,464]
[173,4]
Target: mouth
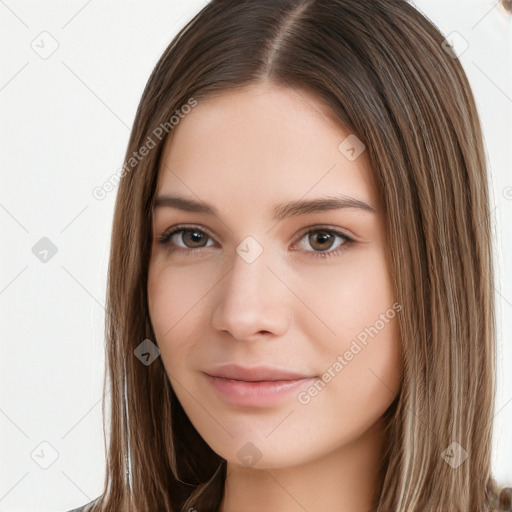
[255,386]
[255,373]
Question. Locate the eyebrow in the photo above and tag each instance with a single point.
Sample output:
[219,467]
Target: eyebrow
[280,212]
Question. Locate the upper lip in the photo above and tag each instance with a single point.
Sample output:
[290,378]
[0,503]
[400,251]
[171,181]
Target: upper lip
[254,373]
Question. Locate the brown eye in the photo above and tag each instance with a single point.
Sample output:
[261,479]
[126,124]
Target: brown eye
[321,240]
[324,242]
[193,238]
[185,238]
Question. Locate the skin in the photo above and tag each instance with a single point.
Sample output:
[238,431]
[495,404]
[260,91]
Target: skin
[243,152]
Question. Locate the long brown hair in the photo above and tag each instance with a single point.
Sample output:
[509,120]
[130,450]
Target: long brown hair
[384,73]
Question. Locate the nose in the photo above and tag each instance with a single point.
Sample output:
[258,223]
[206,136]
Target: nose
[251,302]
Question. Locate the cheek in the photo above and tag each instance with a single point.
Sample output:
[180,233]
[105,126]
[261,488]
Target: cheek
[363,349]
[371,379]
[360,375]
[177,300]
[348,297]
[174,294]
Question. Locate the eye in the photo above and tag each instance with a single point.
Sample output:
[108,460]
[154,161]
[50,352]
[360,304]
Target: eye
[325,241]
[322,240]
[190,238]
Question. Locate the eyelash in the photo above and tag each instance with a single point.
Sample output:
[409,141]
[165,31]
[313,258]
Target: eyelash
[166,236]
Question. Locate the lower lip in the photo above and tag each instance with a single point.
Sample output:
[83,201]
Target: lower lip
[256,394]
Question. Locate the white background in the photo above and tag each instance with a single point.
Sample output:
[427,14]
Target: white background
[65,122]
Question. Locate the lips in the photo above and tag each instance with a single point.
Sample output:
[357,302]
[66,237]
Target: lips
[255,386]
[255,373]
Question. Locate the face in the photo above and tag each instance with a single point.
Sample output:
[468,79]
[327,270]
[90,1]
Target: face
[272,307]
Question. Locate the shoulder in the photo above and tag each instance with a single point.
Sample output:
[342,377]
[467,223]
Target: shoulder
[88,507]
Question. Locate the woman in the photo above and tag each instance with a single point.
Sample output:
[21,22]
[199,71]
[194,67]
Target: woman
[300,305]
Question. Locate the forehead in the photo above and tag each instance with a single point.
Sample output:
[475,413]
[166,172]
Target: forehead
[259,143]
